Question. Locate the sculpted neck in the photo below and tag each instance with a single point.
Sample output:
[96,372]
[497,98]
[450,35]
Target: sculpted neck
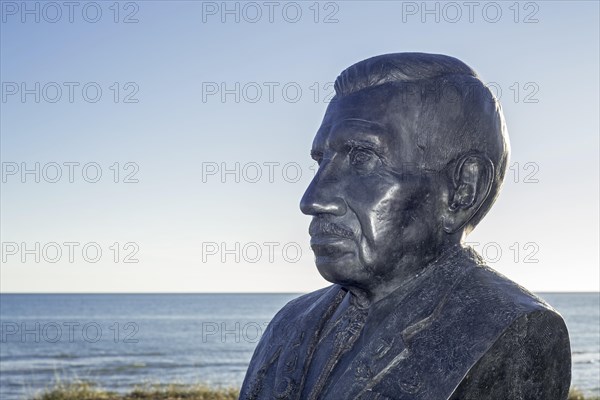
[404,277]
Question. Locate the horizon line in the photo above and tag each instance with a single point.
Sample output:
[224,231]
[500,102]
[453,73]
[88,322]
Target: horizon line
[237,293]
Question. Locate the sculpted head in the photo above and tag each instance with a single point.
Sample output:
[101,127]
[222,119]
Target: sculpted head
[412,153]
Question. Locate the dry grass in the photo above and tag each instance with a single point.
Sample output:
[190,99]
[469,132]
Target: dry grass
[577,395]
[88,391]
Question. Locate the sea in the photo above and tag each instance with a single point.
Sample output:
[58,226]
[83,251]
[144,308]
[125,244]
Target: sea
[122,340]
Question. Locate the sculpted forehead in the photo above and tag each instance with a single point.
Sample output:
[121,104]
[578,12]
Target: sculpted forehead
[377,114]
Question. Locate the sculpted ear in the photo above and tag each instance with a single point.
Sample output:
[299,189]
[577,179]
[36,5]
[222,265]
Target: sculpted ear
[472,182]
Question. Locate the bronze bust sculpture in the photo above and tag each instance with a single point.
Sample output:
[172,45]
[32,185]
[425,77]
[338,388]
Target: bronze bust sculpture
[412,152]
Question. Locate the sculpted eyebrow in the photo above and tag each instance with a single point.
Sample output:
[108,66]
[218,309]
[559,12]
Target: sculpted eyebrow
[364,124]
[361,128]
[365,144]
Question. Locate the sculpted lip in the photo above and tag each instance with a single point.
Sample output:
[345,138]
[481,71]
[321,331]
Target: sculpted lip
[327,245]
[325,239]
[330,247]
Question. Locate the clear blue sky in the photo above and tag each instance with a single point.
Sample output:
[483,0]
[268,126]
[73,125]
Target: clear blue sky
[177,59]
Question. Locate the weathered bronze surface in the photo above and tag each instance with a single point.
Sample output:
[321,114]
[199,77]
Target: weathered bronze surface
[412,152]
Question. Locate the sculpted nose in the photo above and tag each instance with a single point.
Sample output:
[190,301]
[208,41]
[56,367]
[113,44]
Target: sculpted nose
[321,197]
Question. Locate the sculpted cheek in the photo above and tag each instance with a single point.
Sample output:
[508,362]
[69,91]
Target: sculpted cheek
[386,214]
[366,254]
[380,226]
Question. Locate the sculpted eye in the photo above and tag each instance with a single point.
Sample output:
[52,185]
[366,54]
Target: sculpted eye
[360,157]
[364,160]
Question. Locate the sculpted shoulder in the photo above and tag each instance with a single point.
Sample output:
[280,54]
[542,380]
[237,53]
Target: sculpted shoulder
[487,289]
[529,338]
[285,330]
[297,314]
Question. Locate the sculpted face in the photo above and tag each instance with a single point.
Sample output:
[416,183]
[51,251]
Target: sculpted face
[376,209]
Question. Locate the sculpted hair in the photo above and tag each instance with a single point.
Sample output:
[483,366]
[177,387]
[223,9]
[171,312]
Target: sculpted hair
[400,67]
[453,112]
